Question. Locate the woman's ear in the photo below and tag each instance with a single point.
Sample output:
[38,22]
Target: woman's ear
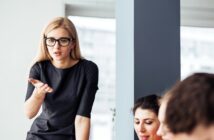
[73,45]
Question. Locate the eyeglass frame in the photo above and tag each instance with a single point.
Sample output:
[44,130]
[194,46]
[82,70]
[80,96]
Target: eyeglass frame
[58,40]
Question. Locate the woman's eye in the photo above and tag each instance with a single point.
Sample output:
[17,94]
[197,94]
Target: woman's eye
[51,40]
[148,122]
[136,122]
[64,40]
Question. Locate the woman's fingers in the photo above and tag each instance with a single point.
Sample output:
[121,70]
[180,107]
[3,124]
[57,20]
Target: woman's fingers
[36,82]
[40,85]
[49,89]
[46,88]
[33,81]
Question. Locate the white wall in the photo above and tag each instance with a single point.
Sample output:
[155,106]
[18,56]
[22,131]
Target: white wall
[21,23]
[124,69]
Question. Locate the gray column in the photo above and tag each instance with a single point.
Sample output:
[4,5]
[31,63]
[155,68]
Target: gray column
[147,53]
[156,45]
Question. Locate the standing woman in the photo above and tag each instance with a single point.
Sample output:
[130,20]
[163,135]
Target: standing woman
[63,83]
[146,121]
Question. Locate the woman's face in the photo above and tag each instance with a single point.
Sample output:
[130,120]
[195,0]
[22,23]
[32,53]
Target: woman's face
[163,130]
[146,124]
[63,47]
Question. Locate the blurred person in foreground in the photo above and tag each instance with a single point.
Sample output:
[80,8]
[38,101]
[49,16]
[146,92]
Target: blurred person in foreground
[163,130]
[189,111]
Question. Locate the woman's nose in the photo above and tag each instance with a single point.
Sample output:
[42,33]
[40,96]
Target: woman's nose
[57,45]
[142,128]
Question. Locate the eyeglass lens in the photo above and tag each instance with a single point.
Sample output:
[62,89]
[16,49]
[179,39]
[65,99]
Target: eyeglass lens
[64,41]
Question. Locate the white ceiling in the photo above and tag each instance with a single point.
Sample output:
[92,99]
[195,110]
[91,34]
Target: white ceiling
[193,12]
[197,13]
[91,8]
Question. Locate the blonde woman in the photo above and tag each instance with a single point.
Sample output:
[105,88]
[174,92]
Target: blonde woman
[63,83]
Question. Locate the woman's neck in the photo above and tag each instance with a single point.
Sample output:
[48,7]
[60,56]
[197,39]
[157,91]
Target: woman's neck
[65,63]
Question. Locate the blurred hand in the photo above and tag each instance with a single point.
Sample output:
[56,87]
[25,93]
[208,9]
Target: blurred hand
[40,86]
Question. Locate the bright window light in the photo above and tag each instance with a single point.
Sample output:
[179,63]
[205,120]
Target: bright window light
[97,43]
[197,50]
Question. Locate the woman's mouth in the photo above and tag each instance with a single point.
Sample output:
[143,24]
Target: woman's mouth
[144,137]
[57,53]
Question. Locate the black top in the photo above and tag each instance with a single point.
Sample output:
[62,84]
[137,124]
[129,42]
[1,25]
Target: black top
[73,94]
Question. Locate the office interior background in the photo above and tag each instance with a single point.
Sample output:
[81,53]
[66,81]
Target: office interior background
[111,34]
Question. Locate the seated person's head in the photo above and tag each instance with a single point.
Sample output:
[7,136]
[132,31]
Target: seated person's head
[190,109]
[146,120]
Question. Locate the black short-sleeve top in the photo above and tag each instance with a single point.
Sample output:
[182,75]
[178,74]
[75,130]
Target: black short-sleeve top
[74,90]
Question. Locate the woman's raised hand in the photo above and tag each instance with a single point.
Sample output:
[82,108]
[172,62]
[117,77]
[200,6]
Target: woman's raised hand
[40,86]
[33,104]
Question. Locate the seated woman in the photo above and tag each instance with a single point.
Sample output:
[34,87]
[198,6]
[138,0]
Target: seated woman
[146,121]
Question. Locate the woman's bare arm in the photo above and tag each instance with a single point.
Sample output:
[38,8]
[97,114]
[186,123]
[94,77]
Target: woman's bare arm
[82,127]
[33,104]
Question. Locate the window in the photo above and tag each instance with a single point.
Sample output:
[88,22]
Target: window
[97,43]
[197,50]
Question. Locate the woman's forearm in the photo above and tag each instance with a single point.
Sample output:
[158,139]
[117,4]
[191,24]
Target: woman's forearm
[82,127]
[33,104]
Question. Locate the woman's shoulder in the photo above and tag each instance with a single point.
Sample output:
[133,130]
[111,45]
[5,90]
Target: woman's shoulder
[89,63]
[40,64]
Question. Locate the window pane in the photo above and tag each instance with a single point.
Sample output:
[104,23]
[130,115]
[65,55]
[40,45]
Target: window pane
[197,50]
[97,43]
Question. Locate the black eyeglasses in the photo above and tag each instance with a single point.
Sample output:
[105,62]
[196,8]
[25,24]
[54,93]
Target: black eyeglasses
[63,41]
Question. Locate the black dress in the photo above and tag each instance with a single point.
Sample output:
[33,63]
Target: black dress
[74,93]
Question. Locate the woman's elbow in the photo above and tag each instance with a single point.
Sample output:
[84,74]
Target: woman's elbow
[81,120]
[28,113]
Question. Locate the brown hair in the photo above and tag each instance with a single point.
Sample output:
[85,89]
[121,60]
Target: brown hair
[150,102]
[191,103]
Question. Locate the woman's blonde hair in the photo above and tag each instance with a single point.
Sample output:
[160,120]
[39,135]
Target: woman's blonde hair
[58,22]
